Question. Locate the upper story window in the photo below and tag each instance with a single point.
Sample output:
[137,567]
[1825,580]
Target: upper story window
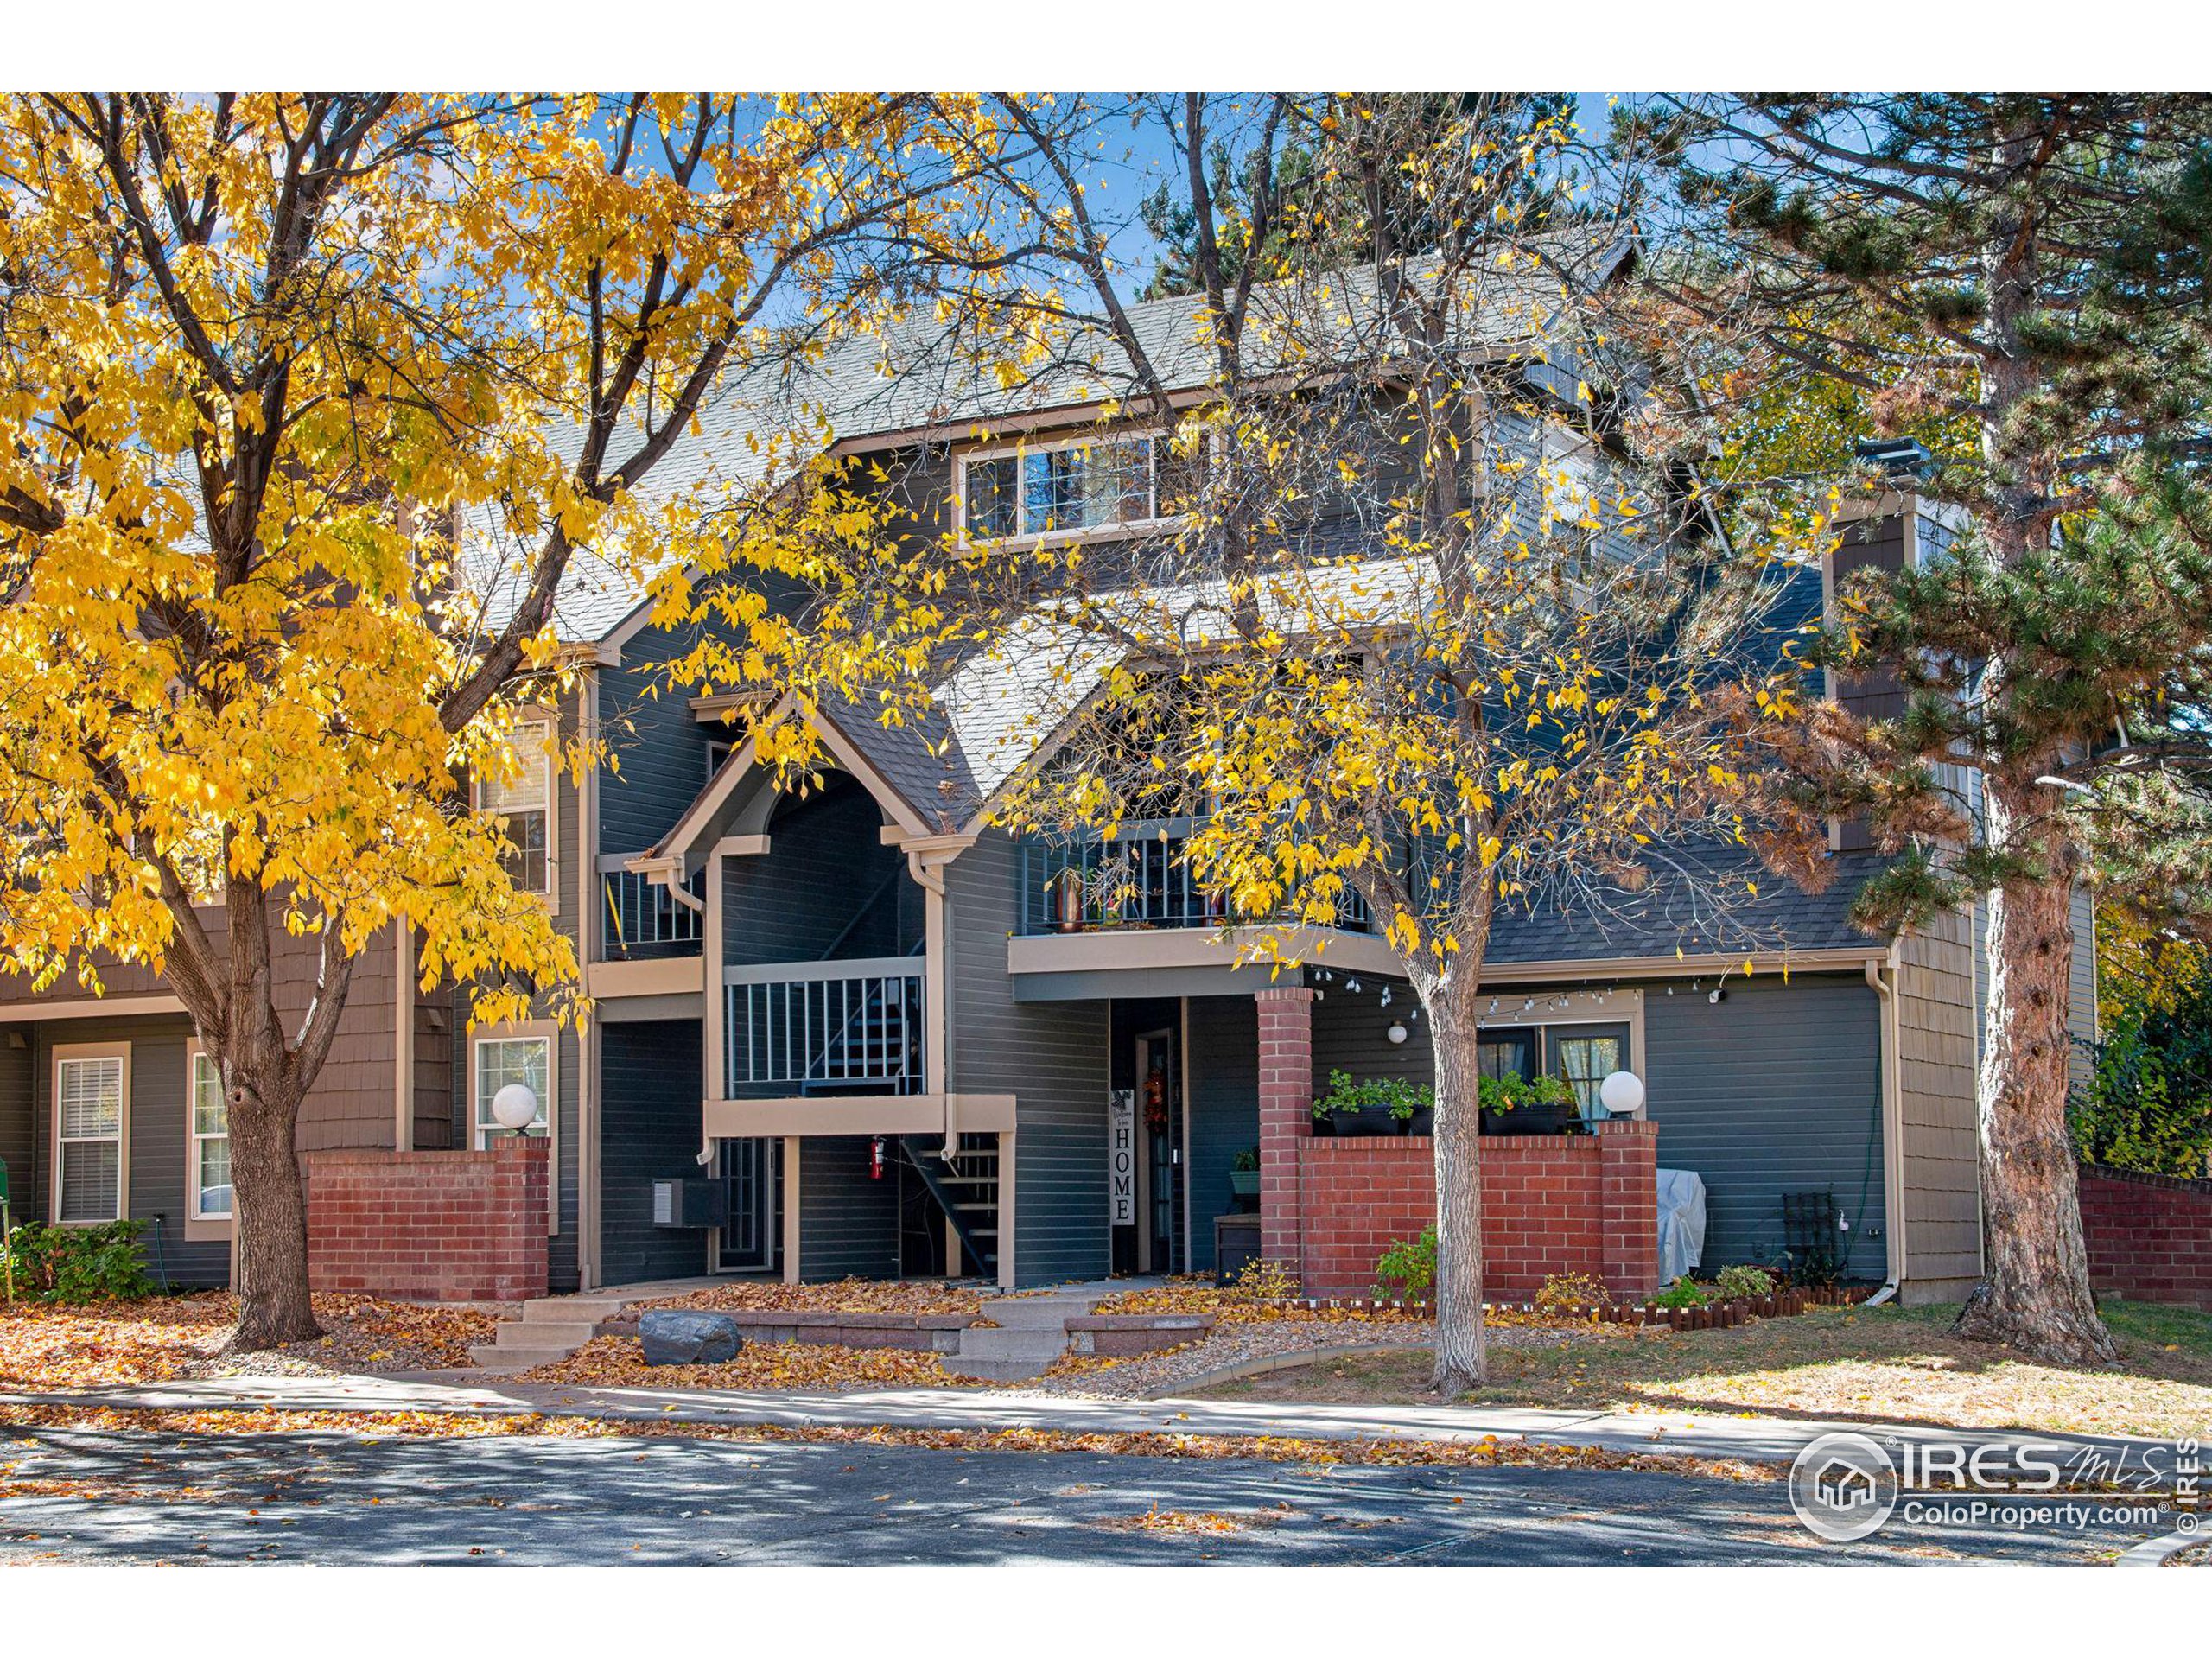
[526,801]
[1084,486]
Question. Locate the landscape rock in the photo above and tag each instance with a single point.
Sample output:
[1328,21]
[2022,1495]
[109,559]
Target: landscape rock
[679,1336]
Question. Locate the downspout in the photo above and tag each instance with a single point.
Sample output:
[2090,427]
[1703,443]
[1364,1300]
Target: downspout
[935,1025]
[1892,1126]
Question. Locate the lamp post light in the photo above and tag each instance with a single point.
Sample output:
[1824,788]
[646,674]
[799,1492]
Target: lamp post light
[515,1108]
[1621,1094]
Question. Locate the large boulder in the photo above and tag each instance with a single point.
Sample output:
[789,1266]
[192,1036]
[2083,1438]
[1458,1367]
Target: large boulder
[684,1335]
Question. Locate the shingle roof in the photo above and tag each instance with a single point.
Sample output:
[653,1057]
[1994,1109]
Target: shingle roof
[915,379]
[1675,912]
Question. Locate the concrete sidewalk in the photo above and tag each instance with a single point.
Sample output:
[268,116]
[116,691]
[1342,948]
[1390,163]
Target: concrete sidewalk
[1771,1439]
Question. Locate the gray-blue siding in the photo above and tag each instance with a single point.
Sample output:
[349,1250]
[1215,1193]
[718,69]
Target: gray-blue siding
[1050,1056]
[649,1131]
[1777,1089]
[1224,1070]
[848,1218]
[156,1129]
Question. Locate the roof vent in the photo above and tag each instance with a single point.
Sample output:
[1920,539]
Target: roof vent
[1898,458]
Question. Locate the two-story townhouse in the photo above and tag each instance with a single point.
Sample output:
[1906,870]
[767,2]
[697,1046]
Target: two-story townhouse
[801,1000]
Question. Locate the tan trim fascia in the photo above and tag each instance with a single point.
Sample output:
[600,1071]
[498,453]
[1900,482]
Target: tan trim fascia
[1796,961]
[802,1115]
[1882,978]
[90,1008]
[651,977]
[742,846]
[791,1145]
[1108,949]
[859,764]
[1009,1154]
[590,941]
[711,709]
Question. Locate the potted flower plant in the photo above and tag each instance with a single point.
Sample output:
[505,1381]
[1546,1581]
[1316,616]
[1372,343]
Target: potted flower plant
[1244,1174]
[1372,1106]
[1518,1105]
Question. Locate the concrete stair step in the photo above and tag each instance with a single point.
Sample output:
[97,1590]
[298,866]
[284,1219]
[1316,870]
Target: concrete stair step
[492,1357]
[995,1370]
[546,1333]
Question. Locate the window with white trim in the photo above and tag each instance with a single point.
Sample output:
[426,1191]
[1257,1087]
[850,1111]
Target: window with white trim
[1585,1058]
[88,1112]
[526,801]
[503,1061]
[1082,484]
[209,1169]
[718,750]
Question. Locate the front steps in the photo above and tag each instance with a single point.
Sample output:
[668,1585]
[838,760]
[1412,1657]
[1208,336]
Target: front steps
[1031,1333]
[553,1327]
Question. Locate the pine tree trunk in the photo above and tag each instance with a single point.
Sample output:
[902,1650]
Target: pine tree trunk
[2035,1295]
[270,1212]
[1461,1361]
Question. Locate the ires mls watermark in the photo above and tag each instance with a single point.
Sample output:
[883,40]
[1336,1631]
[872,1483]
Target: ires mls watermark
[1845,1486]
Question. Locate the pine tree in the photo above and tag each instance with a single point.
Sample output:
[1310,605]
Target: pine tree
[2031,271]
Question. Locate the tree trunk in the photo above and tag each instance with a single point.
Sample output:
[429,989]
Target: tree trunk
[2035,1295]
[1460,1362]
[270,1212]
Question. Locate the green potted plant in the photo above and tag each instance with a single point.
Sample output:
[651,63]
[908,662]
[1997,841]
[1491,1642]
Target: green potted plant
[1518,1105]
[1244,1174]
[1373,1106]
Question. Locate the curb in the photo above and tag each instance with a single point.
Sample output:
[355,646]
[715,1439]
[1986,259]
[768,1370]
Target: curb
[2153,1552]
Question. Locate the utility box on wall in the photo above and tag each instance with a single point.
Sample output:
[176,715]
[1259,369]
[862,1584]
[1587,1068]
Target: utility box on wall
[690,1204]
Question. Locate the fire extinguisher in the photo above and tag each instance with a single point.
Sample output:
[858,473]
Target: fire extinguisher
[875,1159]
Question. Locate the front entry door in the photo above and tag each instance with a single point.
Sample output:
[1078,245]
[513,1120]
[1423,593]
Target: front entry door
[753,1237]
[1160,1132]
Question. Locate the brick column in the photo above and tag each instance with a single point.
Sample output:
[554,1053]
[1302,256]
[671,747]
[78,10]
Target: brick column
[1285,1115]
[1628,1147]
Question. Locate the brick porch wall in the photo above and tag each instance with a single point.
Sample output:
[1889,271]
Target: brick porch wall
[1551,1205]
[1286,1113]
[429,1226]
[2149,1236]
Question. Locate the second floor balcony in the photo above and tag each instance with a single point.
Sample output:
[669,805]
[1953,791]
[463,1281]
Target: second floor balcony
[1141,879]
[639,919]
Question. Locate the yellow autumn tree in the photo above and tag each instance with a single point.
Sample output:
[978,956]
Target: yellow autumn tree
[1429,618]
[294,386]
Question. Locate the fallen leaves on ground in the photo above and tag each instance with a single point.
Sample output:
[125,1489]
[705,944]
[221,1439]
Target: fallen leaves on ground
[1883,1364]
[159,1339]
[1140,1443]
[619,1363]
[845,1296]
[1204,1522]
[1197,1293]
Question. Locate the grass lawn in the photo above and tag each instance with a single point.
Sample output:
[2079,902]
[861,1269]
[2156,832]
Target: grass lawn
[1895,1365]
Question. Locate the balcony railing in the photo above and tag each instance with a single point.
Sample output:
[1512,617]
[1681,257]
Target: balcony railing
[1139,880]
[844,1027]
[640,918]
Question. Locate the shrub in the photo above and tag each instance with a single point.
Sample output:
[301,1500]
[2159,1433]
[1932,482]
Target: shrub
[1393,1095]
[1563,1291]
[1263,1282]
[1408,1271]
[1683,1292]
[79,1264]
[1744,1280]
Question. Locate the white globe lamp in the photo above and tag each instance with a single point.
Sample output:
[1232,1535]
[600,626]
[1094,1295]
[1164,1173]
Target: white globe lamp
[1621,1094]
[515,1106]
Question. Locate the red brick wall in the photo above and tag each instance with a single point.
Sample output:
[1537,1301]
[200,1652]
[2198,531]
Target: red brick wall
[1551,1205]
[2149,1236]
[429,1226]
[1286,1113]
